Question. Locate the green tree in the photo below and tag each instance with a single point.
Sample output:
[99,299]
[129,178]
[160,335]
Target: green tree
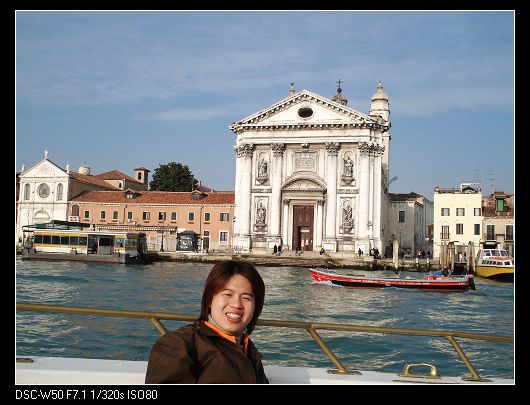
[172,177]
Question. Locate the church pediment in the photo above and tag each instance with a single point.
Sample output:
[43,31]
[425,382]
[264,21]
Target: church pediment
[304,184]
[306,110]
[44,168]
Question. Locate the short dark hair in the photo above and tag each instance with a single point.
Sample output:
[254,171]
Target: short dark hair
[219,276]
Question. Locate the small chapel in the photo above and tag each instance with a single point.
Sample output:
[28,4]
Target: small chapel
[312,174]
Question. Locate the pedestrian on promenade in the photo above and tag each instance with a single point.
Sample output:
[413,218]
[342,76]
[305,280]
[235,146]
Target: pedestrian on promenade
[275,250]
[216,348]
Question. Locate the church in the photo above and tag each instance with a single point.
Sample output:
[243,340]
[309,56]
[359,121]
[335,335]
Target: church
[312,174]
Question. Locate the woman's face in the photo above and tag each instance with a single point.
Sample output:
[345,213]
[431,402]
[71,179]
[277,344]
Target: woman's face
[232,308]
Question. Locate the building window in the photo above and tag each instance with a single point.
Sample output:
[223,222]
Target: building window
[224,217]
[509,232]
[129,215]
[223,238]
[115,215]
[477,229]
[490,232]
[191,216]
[146,216]
[478,212]
[401,216]
[206,217]
[43,191]
[59,195]
[445,212]
[102,215]
[86,214]
[459,229]
[445,231]
[460,212]
[162,216]
[27,191]
[173,216]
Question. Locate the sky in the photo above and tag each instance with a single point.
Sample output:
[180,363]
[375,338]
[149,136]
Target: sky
[124,89]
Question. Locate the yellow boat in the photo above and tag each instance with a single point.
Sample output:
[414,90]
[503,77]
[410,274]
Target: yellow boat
[495,264]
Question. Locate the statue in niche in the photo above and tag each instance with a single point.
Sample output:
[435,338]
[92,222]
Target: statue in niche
[347,214]
[261,214]
[262,171]
[348,167]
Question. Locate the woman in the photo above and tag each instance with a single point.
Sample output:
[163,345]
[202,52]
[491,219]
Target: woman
[216,349]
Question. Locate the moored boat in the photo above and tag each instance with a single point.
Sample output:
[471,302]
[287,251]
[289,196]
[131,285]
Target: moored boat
[496,264]
[429,282]
[84,245]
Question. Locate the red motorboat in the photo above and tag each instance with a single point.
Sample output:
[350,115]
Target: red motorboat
[429,282]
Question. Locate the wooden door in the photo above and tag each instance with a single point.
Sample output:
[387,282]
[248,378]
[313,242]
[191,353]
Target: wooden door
[303,227]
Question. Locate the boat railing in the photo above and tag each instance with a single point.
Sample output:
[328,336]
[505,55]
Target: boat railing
[311,327]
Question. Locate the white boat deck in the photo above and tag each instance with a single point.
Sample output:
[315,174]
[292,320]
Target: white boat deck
[75,371]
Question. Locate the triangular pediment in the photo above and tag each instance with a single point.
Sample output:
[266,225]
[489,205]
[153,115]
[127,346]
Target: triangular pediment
[45,168]
[306,109]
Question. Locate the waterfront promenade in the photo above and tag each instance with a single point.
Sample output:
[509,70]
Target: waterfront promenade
[306,259]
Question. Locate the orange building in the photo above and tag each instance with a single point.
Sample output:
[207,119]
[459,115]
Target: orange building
[172,221]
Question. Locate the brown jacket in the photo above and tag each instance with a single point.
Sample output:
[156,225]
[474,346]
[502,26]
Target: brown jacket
[196,354]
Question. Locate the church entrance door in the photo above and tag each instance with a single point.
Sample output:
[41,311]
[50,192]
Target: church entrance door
[303,227]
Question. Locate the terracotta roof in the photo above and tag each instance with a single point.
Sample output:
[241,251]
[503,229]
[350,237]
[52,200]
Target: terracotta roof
[156,197]
[92,180]
[142,168]
[115,175]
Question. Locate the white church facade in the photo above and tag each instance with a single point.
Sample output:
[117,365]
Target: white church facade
[312,174]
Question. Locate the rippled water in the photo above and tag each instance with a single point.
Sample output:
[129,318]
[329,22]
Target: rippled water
[290,294]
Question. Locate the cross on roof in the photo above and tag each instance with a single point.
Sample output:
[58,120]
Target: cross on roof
[339,82]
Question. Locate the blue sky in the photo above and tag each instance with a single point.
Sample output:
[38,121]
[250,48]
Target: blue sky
[119,90]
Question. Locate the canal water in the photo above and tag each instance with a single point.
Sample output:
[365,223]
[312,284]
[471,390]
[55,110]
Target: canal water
[290,295]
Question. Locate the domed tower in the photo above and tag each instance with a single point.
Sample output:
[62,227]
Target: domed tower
[380,103]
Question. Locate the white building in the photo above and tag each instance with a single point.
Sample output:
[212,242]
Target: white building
[457,217]
[45,189]
[312,172]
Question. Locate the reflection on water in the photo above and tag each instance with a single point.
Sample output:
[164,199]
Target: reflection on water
[290,294]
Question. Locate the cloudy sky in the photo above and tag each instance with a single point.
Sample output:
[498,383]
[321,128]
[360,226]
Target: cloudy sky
[119,90]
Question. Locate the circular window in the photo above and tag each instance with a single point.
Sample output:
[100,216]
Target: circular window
[44,190]
[305,112]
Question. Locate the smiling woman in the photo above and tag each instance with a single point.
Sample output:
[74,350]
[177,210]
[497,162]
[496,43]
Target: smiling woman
[216,349]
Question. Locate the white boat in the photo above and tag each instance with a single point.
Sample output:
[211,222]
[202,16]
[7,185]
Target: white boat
[495,264]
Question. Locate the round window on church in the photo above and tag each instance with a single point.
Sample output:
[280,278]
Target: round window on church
[305,112]
[44,190]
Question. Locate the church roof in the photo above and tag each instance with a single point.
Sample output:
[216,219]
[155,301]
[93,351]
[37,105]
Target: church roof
[350,116]
[84,178]
[115,175]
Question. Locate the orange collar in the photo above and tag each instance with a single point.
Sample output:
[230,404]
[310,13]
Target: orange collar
[244,338]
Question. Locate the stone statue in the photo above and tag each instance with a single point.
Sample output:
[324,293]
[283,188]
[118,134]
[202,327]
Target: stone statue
[261,214]
[347,214]
[348,167]
[262,171]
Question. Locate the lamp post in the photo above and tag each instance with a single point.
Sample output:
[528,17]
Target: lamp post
[162,241]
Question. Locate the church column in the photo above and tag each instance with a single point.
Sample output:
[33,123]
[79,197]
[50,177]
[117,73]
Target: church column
[377,196]
[364,189]
[369,225]
[285,219]
[331,179]
[319,224]
[244,175]
[276,180]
